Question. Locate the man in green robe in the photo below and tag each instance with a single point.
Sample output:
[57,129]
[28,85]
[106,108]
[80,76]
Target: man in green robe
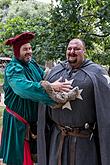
[23,91]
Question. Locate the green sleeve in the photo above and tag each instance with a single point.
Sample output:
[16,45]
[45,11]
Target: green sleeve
[25,88]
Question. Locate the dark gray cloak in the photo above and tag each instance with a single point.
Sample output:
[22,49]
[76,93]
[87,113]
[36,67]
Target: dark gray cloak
[95,107]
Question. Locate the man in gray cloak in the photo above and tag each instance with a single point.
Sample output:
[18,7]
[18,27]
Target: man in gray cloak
[77,133]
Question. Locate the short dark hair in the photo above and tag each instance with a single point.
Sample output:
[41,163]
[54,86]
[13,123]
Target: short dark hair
[80,40]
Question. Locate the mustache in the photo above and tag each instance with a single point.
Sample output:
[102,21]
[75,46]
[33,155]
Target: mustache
[28,54]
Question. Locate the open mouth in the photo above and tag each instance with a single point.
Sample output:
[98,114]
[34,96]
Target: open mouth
[72,62]
[71,59]
[28,55]
[72,55]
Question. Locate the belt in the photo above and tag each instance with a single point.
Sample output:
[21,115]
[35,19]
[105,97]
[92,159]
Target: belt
[27,135]
[20,119]
[83,132]
[16,115]
[28,130]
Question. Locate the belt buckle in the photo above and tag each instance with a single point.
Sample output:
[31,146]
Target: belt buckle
[68,128]
[86,126]
[72,129]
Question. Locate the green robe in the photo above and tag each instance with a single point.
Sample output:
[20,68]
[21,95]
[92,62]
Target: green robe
[23,91]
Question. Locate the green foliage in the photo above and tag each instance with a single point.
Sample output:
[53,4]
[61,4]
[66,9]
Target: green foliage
[9,29]
[13,26]
[1,75]
[18,25]
[86,19]
[25,16]
[28,9]
[4,3]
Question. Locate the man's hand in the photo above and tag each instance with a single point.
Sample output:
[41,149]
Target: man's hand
[61,86]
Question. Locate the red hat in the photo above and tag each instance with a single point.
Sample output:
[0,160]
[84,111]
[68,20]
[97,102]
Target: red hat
[18,41]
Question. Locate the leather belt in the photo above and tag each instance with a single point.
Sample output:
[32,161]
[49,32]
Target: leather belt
[82,132]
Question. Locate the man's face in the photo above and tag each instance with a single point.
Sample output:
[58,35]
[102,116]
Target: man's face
[25,53]
[75,53]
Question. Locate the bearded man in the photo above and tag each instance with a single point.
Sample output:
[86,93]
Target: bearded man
[78,132]
[24,89]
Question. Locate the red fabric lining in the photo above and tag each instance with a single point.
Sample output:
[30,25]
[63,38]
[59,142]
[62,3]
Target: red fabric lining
[27,154]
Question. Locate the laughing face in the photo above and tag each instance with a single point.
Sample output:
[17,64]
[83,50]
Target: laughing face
[25,53]
[75,53]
